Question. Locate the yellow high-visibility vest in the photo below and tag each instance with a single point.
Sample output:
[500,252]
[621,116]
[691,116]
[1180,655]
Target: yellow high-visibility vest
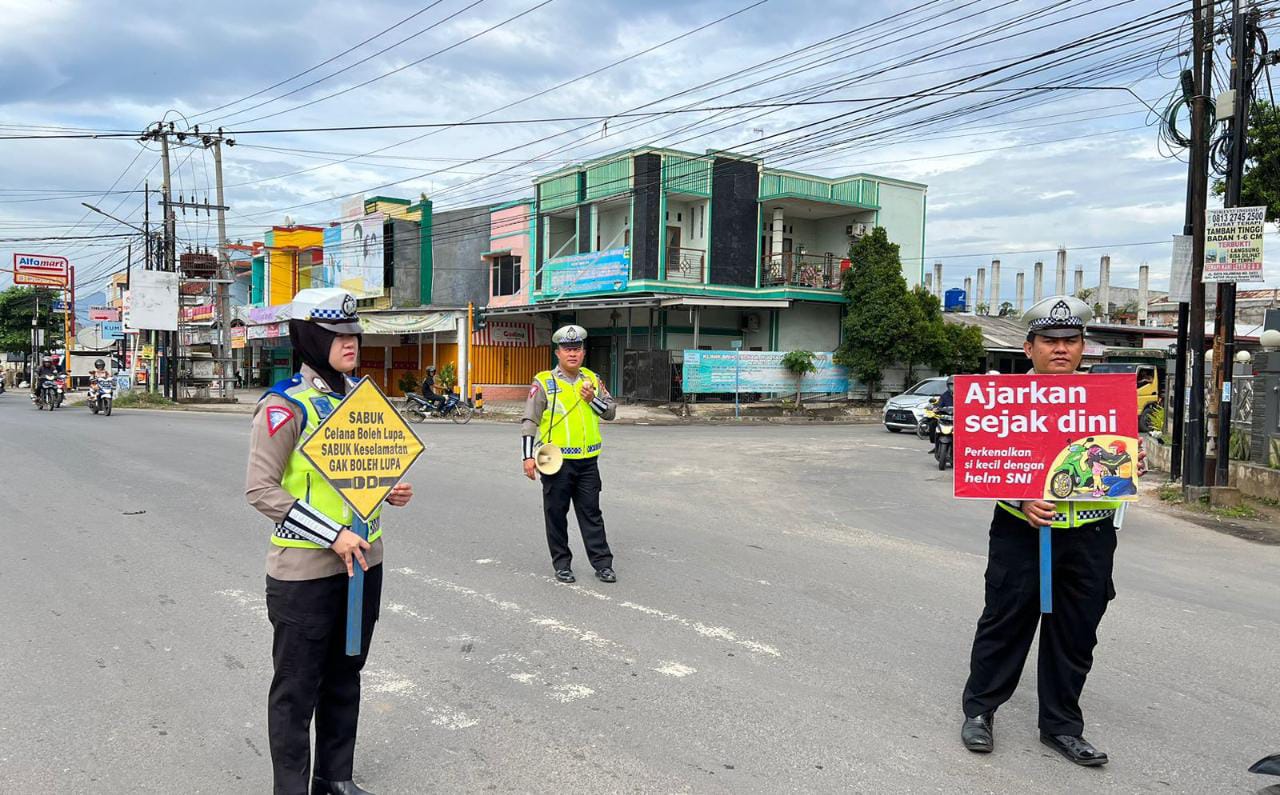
[575,427]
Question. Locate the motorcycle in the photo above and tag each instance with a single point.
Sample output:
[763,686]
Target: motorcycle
[417,409]
[49,394]
[942,443]
[105,396]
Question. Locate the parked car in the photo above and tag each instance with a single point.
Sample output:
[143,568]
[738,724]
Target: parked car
[904,412]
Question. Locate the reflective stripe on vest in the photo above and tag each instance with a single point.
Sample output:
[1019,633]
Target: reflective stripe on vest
[576,431]
[302,480]
[1095,511]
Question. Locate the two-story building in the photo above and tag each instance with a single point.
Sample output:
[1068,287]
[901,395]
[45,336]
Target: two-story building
[412,270]
[656,251]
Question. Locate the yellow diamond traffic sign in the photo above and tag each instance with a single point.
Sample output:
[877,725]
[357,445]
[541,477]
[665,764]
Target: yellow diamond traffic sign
[363,448]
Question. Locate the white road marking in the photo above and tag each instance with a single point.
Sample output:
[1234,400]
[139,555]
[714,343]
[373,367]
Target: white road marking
[678,670]
[586,636]
[249,602]
[566,693]
[388,683]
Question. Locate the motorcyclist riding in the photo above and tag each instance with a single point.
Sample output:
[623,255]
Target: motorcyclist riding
[99,371]
[428,391]
[46,370]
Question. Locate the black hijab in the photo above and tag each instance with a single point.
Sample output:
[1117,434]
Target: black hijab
[313,344]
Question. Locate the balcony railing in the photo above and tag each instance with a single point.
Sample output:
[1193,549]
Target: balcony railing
[686,264]
[821,271]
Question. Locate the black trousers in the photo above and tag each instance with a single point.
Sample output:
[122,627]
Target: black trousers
[578,481]
[314,676]
[1082,587]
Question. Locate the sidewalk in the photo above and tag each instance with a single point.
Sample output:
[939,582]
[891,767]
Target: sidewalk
[632,414]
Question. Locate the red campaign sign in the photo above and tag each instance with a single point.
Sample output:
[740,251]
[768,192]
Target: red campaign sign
[1046,437]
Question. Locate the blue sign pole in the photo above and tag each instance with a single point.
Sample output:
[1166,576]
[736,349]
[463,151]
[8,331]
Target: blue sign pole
[1046,569]
[355,593]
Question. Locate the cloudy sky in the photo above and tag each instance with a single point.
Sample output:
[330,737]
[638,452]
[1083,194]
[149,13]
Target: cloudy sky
[891,86]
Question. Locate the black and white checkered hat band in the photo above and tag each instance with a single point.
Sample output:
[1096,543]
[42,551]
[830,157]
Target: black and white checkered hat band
[1049,322]
[330,314]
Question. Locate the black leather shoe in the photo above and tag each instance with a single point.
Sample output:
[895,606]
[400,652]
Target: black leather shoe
[978,734]
[566,575]
[606,575]
[320,786]
[1077,749]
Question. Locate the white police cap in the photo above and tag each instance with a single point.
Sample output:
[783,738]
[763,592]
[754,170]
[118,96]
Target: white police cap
[1058,316]
[329,308]
[569,335]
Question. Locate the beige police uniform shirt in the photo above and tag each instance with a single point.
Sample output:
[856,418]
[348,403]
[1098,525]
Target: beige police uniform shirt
[536,404]
[268,454]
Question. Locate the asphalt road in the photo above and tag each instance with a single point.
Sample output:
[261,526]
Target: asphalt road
[793,614]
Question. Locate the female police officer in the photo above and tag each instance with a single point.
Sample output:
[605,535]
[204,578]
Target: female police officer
[312,555]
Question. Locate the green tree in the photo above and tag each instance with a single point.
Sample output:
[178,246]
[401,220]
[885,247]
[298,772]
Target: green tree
[799,364]
[448,376]
[1261,184]
[17,305]
[927,337]
[408,383]
[882,313]
[963,351]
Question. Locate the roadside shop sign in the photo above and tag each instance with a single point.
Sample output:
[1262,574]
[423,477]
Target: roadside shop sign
[1233,244]
[1046,437]
[364,447]
[40,270]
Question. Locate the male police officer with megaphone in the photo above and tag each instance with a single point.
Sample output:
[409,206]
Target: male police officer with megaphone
[563,414]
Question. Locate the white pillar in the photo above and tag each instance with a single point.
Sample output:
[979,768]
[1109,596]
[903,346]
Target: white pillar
[1144,274]
[1037,283]
[1061,284]
[1104,287]
[937,281]
[981,297]
[1079,281]
[1018,292]
[994,303]
[778,221]
[968,294]
[928,282]
[462,355]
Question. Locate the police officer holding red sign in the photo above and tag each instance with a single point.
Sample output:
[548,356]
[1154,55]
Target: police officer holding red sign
[1084,543]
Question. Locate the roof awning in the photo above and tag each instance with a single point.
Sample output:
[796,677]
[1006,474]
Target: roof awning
[497,252]
[740,303]
[570,306]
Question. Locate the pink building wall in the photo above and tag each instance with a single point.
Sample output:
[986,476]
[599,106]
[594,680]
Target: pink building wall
[509,228]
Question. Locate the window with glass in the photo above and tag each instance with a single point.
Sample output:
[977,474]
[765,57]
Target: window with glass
[506,275]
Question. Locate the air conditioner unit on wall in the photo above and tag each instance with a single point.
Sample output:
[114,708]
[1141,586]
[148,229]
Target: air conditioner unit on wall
[856,230]
[750,321]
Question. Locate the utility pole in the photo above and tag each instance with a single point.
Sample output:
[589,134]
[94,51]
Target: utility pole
[1224,338]
[224,273]
[1202,78]
[170,231]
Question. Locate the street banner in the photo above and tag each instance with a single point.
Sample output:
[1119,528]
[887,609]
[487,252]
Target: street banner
[1046,437]
[1233,244]
[239,335]
[1180,270]
[362,448]
[594,272]
[100,314]
[148,352]
[112,330]
[40,270]
[756,371]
